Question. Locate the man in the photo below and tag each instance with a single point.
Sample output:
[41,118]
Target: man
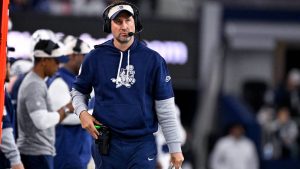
[69,131]
[234,151]
[9,153]
[285,133]
[36,120]
[20,68]
[133,92]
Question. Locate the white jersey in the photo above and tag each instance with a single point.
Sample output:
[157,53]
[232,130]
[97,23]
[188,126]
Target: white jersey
[59,95]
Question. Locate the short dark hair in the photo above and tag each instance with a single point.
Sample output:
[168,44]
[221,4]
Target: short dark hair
[234,124]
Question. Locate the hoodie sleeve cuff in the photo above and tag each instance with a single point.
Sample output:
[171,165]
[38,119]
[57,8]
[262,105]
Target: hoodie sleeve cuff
[79,101]
[79,110]
[174,147]
[15,160]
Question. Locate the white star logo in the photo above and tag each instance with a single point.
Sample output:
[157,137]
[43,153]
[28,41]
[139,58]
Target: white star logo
[168,78]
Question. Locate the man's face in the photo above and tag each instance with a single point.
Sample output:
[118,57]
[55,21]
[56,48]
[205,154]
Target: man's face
[121,26]
[237,131]
[51,66]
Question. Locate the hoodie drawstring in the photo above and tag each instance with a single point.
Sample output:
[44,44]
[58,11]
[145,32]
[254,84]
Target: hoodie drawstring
[119,79]
[127,67]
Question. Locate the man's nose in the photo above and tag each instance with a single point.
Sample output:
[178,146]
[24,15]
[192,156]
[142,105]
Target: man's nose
[124,25]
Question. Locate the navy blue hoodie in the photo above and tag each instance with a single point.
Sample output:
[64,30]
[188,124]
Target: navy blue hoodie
[126,85]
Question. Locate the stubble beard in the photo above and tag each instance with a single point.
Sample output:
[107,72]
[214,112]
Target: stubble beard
[123,40]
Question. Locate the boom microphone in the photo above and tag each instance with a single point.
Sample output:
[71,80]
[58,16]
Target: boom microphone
[130,33]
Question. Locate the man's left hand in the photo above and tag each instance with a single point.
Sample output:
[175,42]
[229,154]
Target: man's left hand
[177,159]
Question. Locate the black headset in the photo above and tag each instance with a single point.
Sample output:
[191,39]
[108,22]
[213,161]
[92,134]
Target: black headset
[106,20]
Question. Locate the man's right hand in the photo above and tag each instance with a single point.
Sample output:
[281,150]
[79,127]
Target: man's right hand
[177,159]
[88,122]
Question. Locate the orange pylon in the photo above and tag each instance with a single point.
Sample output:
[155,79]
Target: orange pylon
[3,41]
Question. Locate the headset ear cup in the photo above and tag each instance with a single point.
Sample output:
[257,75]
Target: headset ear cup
[138,26]
[106,26]
[106,20]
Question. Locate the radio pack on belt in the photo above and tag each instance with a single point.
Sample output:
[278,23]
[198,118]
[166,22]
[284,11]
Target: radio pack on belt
[103,139]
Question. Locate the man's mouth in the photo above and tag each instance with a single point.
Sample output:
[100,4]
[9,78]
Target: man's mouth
[124,34]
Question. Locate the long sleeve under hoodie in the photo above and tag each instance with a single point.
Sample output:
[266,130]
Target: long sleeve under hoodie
[133,91]
[8,145]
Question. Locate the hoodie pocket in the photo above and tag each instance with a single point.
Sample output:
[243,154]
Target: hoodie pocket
[123,116]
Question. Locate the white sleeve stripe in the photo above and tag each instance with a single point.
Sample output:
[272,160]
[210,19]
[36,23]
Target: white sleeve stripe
[43,119]
[59,93]
[71,119]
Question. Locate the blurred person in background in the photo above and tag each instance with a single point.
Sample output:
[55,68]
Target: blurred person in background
[265,118]
[288,94]
[9,153]
[36,119]
[20,68]
[285,133]
[234,151]
[131,97]
[77,154]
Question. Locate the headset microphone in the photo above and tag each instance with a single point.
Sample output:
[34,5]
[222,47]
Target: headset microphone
[130,33]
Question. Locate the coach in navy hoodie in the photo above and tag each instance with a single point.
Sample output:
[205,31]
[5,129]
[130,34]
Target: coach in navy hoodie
[133,93]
